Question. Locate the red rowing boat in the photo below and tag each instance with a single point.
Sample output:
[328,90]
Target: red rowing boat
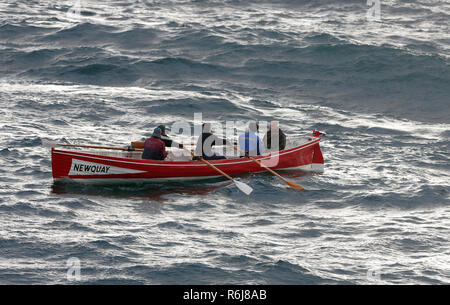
[107,167]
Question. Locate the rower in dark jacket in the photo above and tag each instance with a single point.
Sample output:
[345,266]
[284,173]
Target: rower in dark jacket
[168,141]
[275,132]
[154,147]
[205,143]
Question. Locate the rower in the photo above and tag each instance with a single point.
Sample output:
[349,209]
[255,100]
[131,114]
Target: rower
[168,141]
[249,142]
[274,132]
[205,143]
[154,147]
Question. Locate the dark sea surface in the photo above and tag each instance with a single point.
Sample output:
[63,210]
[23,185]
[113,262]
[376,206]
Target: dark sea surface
[380,212]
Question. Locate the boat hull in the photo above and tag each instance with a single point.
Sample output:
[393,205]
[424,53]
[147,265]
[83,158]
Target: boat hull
[68,165]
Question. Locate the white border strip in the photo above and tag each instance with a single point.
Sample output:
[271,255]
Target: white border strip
[134,180]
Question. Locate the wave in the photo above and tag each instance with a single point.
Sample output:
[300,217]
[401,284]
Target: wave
[322,68]
[95,35]
[328,60]
[12,32]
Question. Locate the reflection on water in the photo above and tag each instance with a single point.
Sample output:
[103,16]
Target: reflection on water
[151,191]
[157,191]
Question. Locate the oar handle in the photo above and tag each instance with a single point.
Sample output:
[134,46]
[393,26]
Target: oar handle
[140,144]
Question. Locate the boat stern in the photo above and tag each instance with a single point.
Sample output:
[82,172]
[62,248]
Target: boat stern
[318,164]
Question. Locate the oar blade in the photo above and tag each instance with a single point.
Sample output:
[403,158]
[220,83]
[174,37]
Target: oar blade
[245,188]
[295,186]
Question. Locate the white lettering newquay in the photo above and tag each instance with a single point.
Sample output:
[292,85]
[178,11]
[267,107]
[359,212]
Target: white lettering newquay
[80,167]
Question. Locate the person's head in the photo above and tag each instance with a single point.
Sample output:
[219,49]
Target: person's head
[206,127]
[156,132]
[253,126]
[163,129]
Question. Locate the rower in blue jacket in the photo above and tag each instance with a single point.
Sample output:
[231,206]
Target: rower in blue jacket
[249,142]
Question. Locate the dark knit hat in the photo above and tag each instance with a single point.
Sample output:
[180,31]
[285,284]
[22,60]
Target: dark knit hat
[157,132]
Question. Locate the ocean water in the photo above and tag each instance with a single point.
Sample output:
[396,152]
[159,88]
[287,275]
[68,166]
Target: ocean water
[380,89]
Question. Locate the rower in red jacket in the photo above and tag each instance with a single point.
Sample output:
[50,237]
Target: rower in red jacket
[154,147]
[168,141]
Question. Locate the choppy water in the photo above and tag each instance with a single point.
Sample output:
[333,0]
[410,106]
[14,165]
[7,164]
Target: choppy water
[381,90]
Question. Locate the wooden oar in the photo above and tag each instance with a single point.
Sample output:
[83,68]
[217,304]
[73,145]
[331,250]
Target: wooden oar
[140,144]
[245,188]
[290,183]
[46,143]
